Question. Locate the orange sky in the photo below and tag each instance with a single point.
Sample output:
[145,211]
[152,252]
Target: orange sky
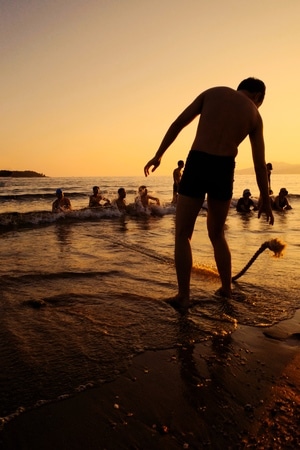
[90,87]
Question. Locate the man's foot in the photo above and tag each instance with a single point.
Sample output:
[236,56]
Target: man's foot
[181,304]
[222,294]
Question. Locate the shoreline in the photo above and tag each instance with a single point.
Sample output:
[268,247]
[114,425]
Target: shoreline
[234,391]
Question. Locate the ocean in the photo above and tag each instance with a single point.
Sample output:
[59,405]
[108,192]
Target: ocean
[83,292]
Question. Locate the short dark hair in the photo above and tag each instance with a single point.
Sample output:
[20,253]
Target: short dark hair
[253,85]
[121,189]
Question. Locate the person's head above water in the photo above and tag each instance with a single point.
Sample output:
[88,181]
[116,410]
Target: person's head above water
[122,192]
[283,191]
[143,190]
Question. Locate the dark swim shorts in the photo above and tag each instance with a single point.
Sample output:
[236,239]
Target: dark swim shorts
[207,174]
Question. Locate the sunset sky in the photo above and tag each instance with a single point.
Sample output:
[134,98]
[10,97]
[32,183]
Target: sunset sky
[89,87]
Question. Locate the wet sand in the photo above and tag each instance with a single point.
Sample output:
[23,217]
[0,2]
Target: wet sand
[231,392]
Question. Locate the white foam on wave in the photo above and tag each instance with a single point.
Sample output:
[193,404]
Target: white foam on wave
[16,219]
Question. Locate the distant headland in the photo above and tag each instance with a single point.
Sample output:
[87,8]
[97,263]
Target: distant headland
[279,168]
[21,174]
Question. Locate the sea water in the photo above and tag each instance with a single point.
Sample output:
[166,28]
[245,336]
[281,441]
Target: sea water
[83,292]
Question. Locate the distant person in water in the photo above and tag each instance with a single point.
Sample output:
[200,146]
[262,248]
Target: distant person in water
[245,204]
[120,202]
[62,203]
[96,198]
[281,202]
[177,174]
[269,171]
[227,117]
[144,198]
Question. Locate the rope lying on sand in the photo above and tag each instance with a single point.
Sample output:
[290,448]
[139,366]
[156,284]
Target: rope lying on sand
[274,244]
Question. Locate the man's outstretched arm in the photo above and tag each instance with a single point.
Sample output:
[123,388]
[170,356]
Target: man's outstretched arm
[186,117]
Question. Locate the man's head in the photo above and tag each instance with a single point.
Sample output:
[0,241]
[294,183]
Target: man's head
[247,193]
[122,192]
[180,164]
[283,191]
[143,190]
[59,193]
[255,87]
[96,189]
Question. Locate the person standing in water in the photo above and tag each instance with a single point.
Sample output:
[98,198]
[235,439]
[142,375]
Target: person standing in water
[227,116]
[177,174]
[269,171]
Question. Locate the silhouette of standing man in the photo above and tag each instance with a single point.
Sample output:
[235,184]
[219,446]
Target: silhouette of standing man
[227,116]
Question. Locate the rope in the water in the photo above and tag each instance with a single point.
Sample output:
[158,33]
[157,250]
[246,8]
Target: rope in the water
[256,254]
[274,244]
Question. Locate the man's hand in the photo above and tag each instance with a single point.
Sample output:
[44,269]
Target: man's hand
[267,210]
[155,162]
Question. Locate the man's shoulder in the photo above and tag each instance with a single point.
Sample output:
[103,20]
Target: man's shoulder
[223,94]
[219,89]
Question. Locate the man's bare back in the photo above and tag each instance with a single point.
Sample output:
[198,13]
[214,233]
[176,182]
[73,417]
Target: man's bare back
[226,118]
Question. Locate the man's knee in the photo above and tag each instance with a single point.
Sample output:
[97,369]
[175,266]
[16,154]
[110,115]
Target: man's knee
[183,233]
[216,234]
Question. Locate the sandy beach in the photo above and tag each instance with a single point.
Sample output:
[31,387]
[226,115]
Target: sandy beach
[234,392]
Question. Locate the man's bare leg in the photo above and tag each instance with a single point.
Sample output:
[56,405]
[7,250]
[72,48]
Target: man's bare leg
[187,210]
[216,217]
